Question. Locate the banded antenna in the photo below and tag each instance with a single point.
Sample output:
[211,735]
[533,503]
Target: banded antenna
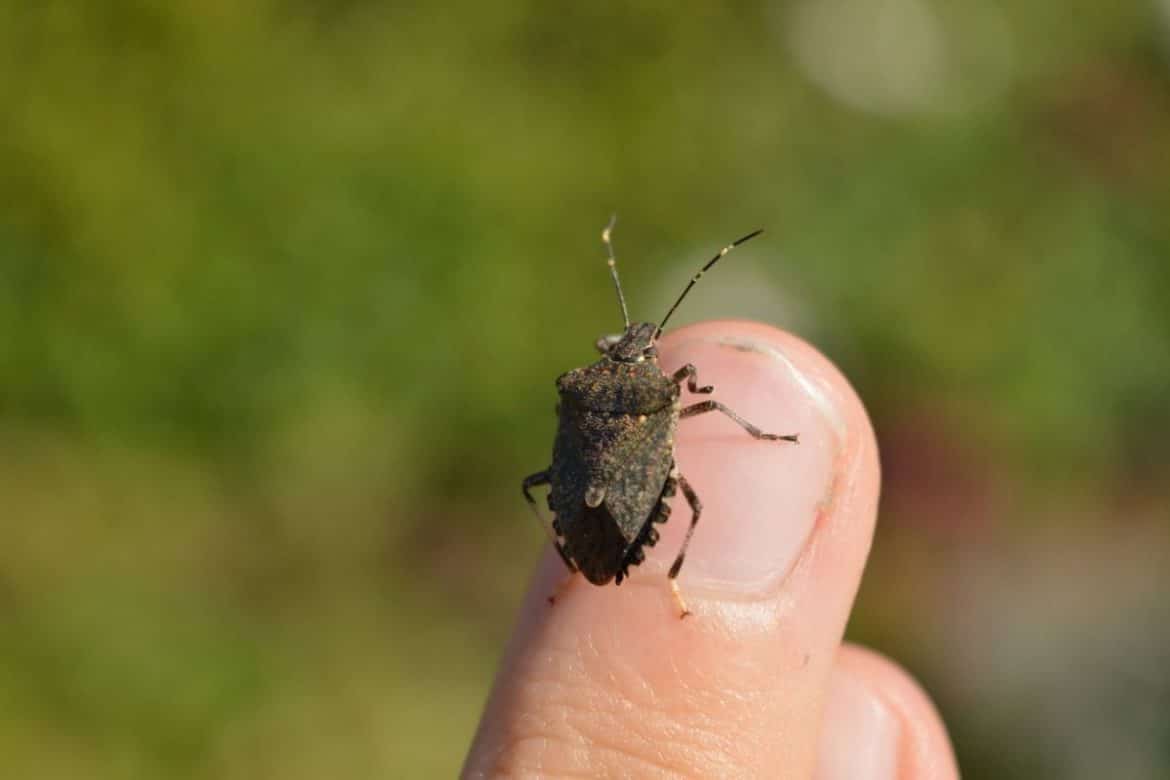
[613,269]
[702,271]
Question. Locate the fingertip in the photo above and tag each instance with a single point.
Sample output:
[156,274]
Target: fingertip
[765,501]
[823,380]
[880,723]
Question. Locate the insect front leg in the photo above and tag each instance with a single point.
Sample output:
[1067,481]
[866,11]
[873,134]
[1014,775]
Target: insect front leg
[714,406]
[691,374]
[534,480]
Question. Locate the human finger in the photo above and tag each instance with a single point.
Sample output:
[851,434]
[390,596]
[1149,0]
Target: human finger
[880,725]
[610,681]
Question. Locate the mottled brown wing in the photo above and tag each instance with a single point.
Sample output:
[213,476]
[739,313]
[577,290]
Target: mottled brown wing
[591,537]
[571,470]
[626,457]
[641,461]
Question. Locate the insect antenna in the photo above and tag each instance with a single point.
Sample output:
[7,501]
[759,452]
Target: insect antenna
[613,269]
[702,271]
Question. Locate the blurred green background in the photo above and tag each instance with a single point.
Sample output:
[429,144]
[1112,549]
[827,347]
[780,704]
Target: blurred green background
[284,287]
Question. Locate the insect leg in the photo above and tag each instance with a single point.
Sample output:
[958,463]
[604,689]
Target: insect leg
[714,406]
[562,586]
[683,609]
[691,374]
[696,510]
[541,478]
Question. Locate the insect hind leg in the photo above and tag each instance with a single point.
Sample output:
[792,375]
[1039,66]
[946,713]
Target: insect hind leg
[696,510]
[535,480]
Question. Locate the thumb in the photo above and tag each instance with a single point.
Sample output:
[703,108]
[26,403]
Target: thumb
[609,681]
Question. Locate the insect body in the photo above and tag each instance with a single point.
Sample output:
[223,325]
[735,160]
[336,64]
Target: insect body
[613,463]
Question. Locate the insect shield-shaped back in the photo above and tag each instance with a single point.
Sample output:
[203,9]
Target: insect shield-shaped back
[613,459]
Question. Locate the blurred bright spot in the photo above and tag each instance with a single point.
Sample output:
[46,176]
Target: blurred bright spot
[1164,8]
[749,285]
[900,56]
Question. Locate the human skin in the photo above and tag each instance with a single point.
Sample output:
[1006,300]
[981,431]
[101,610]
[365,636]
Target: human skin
[610,682]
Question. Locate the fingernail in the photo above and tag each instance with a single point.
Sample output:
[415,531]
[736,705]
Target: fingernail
[760,499]
[859,739]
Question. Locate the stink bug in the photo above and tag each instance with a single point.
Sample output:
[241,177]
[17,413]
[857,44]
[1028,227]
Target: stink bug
[613,462]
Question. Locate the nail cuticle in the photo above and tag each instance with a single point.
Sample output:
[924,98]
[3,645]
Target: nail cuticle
[828,408]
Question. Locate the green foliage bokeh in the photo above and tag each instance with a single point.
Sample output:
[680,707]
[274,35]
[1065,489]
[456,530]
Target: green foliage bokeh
[284,286]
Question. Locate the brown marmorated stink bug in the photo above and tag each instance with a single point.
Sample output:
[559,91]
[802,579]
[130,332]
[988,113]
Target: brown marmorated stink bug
[613,458]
